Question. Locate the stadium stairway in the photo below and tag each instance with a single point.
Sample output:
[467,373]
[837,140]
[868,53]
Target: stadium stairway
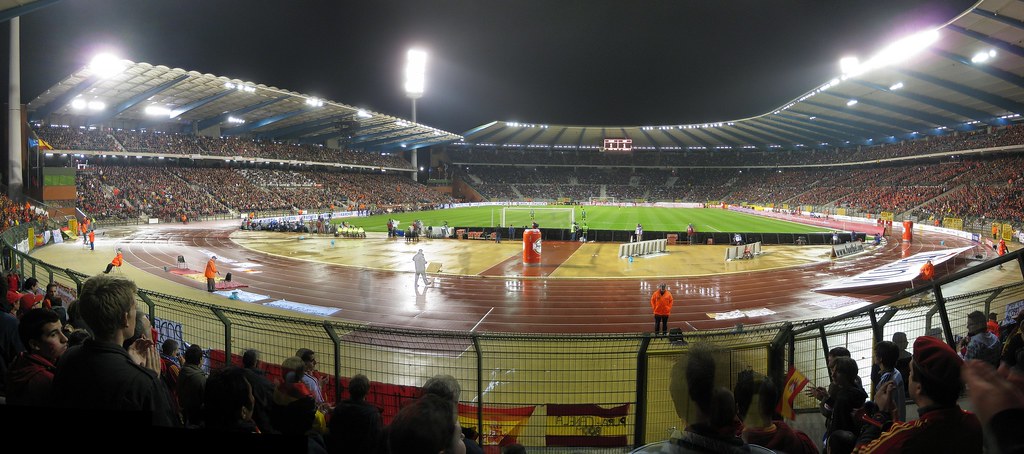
[948,193]
[671,182]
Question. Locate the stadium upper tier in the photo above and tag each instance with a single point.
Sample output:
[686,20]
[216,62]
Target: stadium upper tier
[1009,136]
[77,140]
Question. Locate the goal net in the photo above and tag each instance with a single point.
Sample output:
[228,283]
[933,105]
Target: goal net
[556,218]
[602,200]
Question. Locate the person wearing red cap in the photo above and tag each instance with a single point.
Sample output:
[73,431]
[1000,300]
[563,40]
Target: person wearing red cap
[942,426]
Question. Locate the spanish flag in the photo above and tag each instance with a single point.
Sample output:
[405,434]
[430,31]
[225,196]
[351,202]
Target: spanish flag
[43,145]
[795,381]
[502,425]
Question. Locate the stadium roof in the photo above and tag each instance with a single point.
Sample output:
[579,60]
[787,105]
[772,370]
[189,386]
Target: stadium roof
[141,95]
[965,75]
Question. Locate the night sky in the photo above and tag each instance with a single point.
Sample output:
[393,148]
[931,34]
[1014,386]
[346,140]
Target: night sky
[577,62]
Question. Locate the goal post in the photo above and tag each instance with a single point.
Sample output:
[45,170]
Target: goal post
[558,218]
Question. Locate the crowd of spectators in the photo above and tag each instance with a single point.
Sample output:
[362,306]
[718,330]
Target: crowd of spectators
[122,140]
[169,193]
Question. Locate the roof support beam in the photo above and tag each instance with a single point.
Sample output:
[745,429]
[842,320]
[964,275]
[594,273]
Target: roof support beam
[999,101]
[131,102]
[913,113]
[557,136]
[881,130]
[377,135]
[388,140]
[263,122]
[300,129]
[725,141]
[735,133]
[579,141]
[760,135]
[825,129]
[682,146]
[968,112]
[486,135]
[806,136]
[213,121]
[699,140]
[1002,45]
[175,113]
[509,138]
[64,99]
[17,11]
[999,18]
[994,72]
[650,139]
[529,140]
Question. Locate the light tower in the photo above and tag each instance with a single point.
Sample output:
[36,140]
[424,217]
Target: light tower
[415,80]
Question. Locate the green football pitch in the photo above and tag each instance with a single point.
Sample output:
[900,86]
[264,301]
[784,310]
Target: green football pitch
[597,218]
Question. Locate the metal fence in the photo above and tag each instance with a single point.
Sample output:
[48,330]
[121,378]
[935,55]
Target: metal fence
[521,384]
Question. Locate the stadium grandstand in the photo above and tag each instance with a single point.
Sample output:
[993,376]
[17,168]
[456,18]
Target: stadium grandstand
[336,266]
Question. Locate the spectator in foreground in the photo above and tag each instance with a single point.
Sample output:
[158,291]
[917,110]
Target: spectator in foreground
[228,402]
[30,378]
[447,387]
[979,343]
[262,390]
[101,374]
[935,385]
[192,386]
[998,400]
[356,424]
[428,425]
[714,427]
[756,398]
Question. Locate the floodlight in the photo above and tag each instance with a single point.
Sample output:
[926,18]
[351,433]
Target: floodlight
[363,114]
[415,73]
[851,103]
[78,103]
[96,105]
[849,65]
[982,57]
[106,65]
[896,86]
[158,111]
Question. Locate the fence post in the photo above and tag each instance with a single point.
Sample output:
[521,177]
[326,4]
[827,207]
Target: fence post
[329,328]
[876,330]
[227,333]
[940,303]
[640,421]
[824,342]
[78,282]
[479,386]
[145,298]
[777,353]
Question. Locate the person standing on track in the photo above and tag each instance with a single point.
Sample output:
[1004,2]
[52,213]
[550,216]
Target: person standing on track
[211,274]
[421,268]
[661,304]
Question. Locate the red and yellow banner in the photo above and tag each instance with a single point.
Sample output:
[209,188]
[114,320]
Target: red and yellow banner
[795,381]
[587,425]
[501,424]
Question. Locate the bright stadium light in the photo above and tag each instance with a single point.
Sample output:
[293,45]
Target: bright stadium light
[892,54]
[158,111]
[896,86]
[96,105]
[106,65]
[849,65]
[982,57]
[415,73]
[851,103]
[363,114]
[78,104]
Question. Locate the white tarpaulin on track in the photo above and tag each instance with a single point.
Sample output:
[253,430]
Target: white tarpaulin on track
[904,270]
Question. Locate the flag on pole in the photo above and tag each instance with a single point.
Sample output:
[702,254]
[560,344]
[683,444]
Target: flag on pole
[795,382]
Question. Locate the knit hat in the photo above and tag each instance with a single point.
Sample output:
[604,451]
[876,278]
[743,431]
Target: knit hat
[936,360]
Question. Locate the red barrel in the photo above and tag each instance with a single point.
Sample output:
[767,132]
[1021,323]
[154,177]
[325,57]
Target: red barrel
[908,231]
[531,247]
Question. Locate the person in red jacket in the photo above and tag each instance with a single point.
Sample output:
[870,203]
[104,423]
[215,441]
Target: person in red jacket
[661,303]
[1002,249]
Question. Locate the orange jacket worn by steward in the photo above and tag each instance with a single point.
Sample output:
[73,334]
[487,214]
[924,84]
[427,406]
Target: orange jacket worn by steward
[211,270]
[118,260]
[1002,247]
[661,303]
[927,271]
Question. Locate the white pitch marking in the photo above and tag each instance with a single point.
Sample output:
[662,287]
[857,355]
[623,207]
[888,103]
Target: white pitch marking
[481,320]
